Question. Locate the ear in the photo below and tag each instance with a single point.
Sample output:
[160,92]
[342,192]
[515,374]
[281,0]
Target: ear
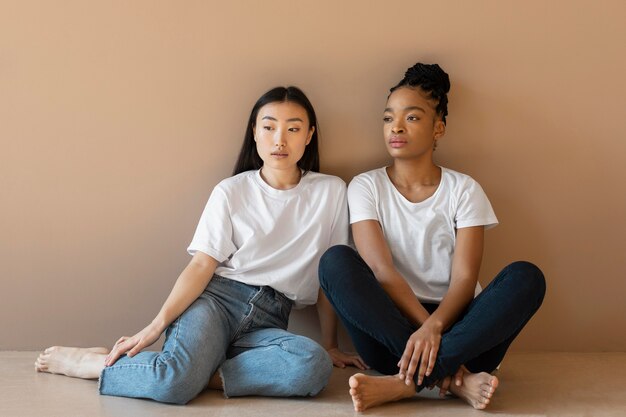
[311,131]
[440,129]
[254,132]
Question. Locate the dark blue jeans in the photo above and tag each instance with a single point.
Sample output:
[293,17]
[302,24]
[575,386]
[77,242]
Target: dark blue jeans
[479,339]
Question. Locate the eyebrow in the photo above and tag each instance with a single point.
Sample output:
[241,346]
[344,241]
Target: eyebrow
[293,119]
[389,109]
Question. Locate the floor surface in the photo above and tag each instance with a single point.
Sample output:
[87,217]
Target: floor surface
[531,384]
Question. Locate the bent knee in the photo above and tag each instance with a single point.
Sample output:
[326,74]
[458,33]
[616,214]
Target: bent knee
[312,371]
[333,264]
[530,277]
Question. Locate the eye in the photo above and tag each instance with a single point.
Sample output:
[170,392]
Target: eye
[294,129]
[387,119]
[267,127]
[412,118]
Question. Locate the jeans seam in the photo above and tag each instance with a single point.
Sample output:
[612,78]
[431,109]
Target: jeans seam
[245,322]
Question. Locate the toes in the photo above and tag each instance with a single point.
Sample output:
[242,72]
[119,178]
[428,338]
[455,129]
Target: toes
[354,381]
[494,383]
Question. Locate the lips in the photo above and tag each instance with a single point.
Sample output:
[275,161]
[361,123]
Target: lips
[396,142]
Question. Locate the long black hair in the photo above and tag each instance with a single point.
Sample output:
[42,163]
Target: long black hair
[249,158]
[433,80]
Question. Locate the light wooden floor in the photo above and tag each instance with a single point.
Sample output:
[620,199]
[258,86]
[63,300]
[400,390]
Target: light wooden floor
[538,384]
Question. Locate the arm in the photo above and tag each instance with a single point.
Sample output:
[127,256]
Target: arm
[423,345]
[468,254]
[188,287]
[372,246]
[328,326]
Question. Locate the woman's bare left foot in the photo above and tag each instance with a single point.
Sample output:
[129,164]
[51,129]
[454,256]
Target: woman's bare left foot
[369,391]
[477,389]
[85,363]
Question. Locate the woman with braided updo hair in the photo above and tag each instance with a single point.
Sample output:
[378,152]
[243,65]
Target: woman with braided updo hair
[408,297]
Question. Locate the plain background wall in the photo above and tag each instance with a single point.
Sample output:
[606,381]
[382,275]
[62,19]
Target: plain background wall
[117,118]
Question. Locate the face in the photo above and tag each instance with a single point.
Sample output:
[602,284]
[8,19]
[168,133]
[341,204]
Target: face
[410,124]
[281,133]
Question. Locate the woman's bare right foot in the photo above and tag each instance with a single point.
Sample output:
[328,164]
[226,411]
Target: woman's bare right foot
[369,391]
[85,363]
[477,389]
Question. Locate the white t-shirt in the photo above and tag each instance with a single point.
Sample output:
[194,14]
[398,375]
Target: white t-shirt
[264,236]
[421,236]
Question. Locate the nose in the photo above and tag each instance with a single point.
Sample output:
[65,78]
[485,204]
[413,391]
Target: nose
[397,128]
[279,139]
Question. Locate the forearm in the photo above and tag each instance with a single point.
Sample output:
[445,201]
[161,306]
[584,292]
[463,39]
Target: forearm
[464,276]
[328,321]
[453,304]
[188,287]
[402,295]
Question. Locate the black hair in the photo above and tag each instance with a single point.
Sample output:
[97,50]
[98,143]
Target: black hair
[249,158]
[432,80]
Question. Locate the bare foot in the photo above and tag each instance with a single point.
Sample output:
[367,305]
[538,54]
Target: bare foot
[85,363]
[477,389]
[369,391]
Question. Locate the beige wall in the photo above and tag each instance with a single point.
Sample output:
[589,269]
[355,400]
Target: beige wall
[117,118]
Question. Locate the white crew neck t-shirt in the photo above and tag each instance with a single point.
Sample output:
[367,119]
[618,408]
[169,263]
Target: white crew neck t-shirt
[264,236]
[421,236]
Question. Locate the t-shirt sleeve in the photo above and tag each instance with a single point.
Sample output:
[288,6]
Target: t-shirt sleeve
[361,201]
[340,226]
[214,234]
[474,208]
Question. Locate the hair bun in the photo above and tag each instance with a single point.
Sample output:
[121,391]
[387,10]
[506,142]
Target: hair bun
[432,72]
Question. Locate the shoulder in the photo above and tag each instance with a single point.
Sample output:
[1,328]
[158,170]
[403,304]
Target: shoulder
[458,181]
[325,181]
[236,182]
[373,178]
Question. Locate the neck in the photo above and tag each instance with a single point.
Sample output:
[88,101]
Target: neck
[281,179]
[408,172]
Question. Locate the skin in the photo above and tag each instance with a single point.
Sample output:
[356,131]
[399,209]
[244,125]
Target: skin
[281,133]
[411,129]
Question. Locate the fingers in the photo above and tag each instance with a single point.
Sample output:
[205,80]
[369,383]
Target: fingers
[413,364]
[405,359]
[341,360]
[423,364]
[458,377]
[338,363]
[432,358]
[360,363]
[357,362]
[445,386]
[122,346]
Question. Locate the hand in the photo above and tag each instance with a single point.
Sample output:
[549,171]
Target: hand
[458,381]
[341,359]
[421,350]
[133,345]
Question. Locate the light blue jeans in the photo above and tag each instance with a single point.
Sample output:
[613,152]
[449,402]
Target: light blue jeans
[233,328]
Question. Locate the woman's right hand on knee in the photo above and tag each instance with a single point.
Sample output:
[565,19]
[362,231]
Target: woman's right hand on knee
[134,344]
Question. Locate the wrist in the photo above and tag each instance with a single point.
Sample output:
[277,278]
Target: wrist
[159,323]
[330,346]
[434,323]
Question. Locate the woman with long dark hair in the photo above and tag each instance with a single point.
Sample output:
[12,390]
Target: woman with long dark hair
[255,255]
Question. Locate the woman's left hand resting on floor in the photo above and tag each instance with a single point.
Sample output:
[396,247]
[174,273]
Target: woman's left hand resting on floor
[342,359]
[188,287]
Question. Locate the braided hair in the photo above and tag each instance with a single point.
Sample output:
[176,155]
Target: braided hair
[432,80]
